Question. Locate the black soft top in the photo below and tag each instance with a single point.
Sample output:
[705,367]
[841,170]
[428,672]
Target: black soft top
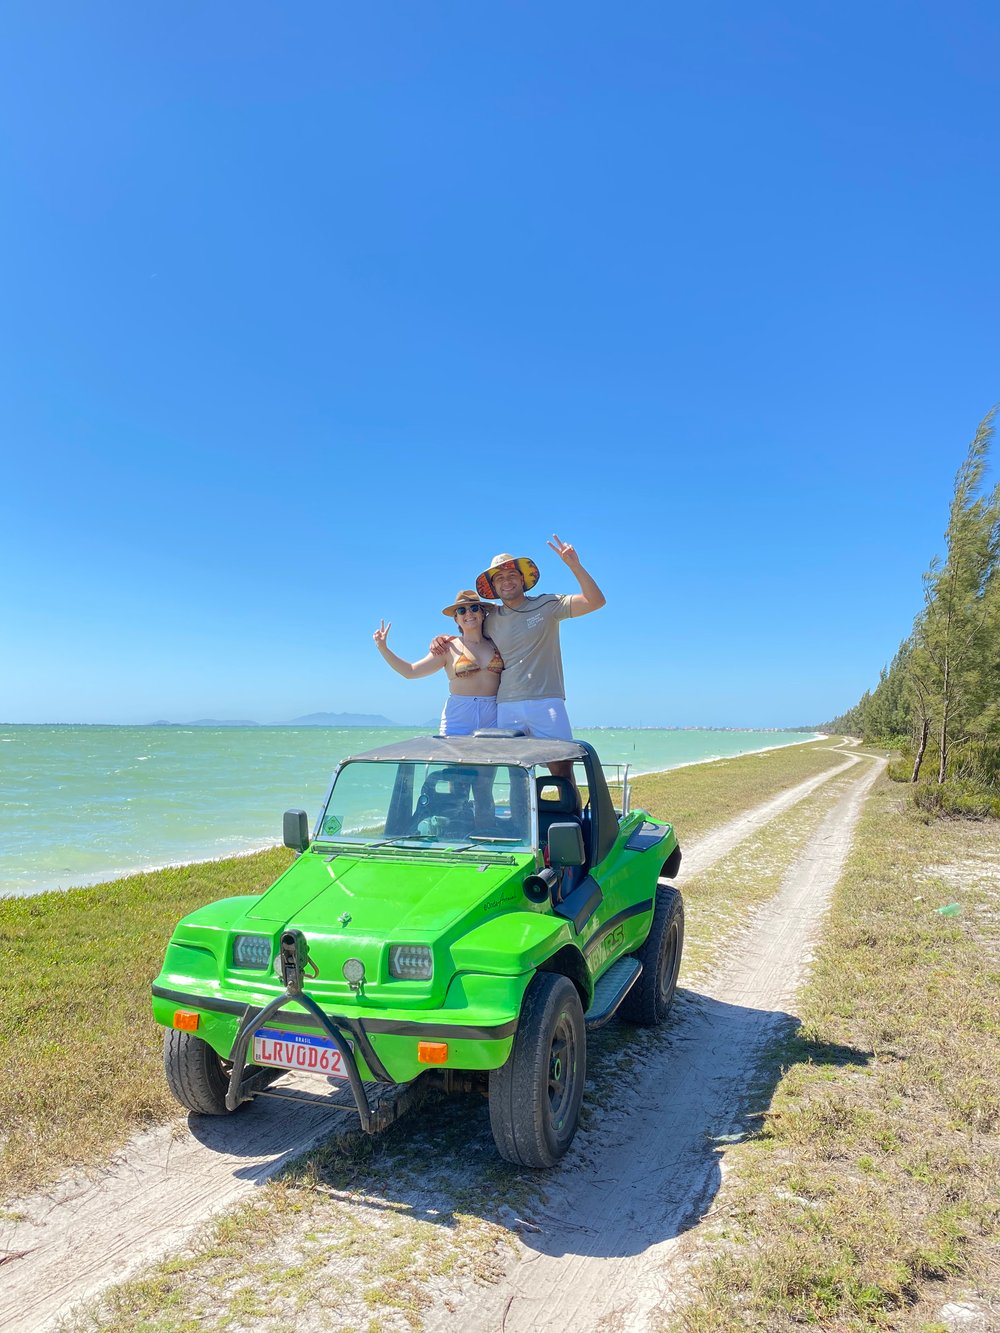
[523,751]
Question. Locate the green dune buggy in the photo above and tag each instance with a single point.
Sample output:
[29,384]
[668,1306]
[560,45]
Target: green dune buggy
[458,916]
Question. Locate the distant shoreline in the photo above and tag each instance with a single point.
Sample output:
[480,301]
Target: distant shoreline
[719,758]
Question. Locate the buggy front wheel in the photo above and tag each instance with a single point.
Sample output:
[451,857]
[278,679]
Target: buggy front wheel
[194,1073]
[535,1097]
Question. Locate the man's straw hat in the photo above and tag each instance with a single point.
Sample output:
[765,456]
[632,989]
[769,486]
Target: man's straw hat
[525,567]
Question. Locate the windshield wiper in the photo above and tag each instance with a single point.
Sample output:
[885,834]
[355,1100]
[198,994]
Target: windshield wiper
[443,844]
[406,837]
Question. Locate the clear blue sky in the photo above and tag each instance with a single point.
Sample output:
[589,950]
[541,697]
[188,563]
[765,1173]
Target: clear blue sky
[306,310]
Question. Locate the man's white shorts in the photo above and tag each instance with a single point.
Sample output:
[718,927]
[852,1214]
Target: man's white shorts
[465,713]
[545,718]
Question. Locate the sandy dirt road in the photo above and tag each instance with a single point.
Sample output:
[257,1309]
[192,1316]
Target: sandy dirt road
[612,1229]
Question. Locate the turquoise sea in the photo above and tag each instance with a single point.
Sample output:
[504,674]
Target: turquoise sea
[83,804]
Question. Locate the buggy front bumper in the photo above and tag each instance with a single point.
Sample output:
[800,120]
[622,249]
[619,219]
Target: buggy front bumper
[374,1047]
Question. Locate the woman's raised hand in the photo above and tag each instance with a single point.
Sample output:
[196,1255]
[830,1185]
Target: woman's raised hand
[381,634]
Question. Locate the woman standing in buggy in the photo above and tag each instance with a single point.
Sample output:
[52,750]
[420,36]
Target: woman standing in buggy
[471,663]
[473,666]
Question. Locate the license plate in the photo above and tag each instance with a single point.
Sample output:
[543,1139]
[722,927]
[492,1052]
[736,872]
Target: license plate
[298,1050]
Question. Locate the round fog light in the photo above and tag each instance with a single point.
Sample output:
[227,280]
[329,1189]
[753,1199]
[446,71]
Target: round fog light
[354,972]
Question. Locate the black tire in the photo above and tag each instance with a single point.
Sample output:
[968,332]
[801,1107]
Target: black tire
[535,1097]
[649,1000]
[195,1074]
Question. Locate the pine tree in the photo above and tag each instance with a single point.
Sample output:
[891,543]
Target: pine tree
[953,666]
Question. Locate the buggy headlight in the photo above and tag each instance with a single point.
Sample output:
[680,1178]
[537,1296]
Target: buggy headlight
[411,962]
[252,951]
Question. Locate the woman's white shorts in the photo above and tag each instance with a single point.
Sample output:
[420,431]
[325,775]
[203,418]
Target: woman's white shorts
[465,713]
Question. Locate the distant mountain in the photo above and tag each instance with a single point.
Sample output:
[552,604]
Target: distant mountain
[341,720]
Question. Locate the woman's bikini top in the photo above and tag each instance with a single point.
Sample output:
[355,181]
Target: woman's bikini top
[465,665]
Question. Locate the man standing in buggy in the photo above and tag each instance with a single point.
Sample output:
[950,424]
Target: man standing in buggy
[532,695]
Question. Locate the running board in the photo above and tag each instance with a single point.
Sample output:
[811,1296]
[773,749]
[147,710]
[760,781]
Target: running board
[609,992]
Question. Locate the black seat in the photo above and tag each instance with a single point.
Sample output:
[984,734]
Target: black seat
[561,808]
[446,798]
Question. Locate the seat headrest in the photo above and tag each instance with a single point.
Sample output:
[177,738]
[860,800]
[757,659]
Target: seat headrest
[566,801]
[450,781]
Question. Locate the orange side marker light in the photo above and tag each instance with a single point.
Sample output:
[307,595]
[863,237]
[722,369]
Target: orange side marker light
[432,1052]
[186,1021]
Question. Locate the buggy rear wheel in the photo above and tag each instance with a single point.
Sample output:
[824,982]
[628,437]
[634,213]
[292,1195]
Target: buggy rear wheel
[650,998]
[535,1097]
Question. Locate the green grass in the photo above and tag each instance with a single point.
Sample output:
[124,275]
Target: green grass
[867,1199]
[78,1047]
[703,796]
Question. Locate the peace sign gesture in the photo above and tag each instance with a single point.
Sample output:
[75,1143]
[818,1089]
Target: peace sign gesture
[566,553]
[589,598]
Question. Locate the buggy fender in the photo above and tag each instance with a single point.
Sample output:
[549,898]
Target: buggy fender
[511,944]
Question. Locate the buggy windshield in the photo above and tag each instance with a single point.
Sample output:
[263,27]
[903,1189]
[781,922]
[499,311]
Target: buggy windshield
[409,803]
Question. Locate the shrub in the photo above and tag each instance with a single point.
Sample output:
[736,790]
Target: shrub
[957,797]
[977,763]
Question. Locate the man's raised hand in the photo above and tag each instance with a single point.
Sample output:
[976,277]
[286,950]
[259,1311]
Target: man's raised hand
[564,551]
[439,644]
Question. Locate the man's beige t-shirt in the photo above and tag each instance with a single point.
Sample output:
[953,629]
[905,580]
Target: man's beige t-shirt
[528,639]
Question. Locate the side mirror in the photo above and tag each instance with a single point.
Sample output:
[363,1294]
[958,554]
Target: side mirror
[295,830]
[566,845]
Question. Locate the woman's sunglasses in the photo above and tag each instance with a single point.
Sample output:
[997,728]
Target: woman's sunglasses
[467,610]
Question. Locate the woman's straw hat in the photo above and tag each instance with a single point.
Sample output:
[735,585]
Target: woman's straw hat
[464,598]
